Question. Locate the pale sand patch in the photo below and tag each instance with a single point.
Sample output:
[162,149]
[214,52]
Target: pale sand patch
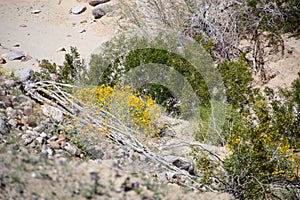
[54,27]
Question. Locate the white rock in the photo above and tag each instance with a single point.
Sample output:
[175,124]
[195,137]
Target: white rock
[82,30]
[73,150]
[17,55]
[36,11]
[40,140]
[78,9]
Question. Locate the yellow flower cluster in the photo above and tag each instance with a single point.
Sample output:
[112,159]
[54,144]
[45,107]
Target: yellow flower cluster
[133,109]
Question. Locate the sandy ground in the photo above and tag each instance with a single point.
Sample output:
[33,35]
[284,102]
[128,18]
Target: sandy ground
[53,28]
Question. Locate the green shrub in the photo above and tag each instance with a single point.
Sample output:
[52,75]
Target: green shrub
[70,72]
[237,79]
[141,51]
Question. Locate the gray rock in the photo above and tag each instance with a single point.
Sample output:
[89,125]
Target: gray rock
[23,74]
[25,136]
[2,126]
[39,128]
[181,163]
[17,55]
[33,144]
[98,13]
[44,135]
[13,122]
[10,112]
[101,10]
[96,2]
[78,9]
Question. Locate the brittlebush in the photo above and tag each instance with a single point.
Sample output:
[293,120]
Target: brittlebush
[129,106]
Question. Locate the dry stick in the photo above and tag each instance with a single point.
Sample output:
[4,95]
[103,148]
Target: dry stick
[113,131]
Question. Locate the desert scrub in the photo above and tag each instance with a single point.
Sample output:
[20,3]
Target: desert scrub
[70,72]
[122,56]
[136,111]
[260,153]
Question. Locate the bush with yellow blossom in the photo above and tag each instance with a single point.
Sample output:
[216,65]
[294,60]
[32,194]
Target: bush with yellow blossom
[136,111]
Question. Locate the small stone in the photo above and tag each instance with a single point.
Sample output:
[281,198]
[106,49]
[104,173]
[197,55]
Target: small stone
[39,128]
[33,174]
[23,25]
[82,30]
[54,144]
[83,21]
[78,9]
[2,61]
[10,112]
[33,144]
[53,138]
[13,123]
[17,55]
[35,134]
[27,141]
[73,150]
[2,126]
[36,11]
[28,132]
[40,140]
[25,136]
[50,152]
[44,135]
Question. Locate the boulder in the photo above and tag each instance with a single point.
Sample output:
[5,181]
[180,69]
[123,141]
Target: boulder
[101,10]
[78,9]
[96,2]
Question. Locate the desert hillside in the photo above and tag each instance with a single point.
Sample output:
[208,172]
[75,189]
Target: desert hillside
[68,133]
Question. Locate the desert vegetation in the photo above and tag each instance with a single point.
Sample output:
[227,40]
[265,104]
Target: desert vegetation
[111,97]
